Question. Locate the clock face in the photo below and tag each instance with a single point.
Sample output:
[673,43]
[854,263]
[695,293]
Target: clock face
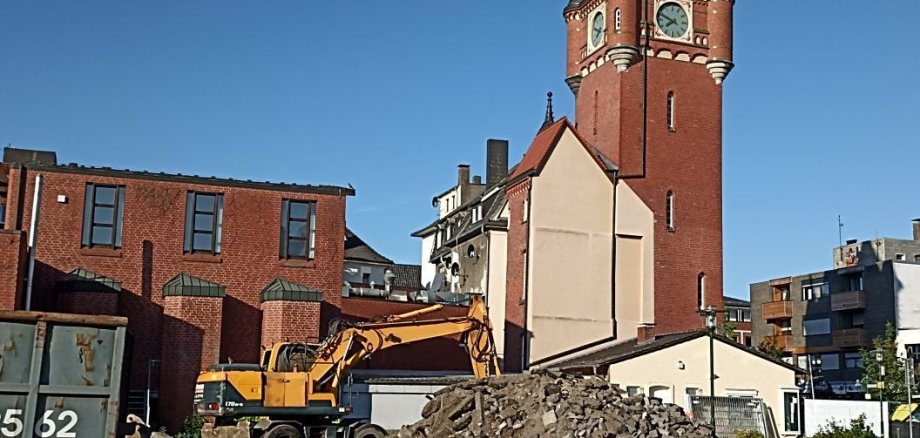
[672,20]
[597,30]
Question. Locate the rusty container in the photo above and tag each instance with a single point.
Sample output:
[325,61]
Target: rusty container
[60,374]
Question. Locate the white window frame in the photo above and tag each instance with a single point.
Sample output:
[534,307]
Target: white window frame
[798,410]
[823,288]
[617,19]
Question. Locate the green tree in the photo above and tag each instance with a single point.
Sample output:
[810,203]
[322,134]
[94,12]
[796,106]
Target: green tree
[728,329]
[770,348]
[856,429]
[893,379]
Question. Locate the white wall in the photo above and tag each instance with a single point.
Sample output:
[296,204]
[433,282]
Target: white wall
[686,365]
[907,303]
[819,412]
[495,294]
[428,269]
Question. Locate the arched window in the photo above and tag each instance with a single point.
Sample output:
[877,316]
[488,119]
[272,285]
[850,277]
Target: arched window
[617,19]
[595,112]
[671,111]
[669,210]
[701,291]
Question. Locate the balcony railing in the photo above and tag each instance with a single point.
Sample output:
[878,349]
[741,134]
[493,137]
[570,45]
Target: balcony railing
[853,337]
[777,310]
[852,300]
[781,342]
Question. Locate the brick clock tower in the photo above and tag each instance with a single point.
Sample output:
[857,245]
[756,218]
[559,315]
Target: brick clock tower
[654,105]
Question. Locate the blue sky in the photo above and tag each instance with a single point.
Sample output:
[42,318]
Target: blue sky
[820,112]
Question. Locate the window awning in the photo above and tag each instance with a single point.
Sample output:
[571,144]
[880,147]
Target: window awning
[283,290]
[84,280]
[185,285]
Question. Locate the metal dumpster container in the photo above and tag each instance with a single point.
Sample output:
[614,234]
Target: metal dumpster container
[60,374]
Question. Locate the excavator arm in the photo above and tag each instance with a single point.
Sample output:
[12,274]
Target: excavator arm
[346,348]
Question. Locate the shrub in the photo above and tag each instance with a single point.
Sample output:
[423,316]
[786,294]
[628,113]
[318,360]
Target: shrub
[856,429]
[748,434]
[191,427]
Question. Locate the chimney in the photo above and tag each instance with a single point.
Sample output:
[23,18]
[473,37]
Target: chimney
[463,175]
[916,223]
[645,333]
[496,161]
[477,180]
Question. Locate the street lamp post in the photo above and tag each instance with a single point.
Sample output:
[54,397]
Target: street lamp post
[710,313]
[813,363]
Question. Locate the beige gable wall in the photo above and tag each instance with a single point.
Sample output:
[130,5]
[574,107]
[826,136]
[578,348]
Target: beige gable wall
[737,370]
[571,220]
[635,228]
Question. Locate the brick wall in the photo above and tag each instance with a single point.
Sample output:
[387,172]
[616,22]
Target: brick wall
[687,161]
[192,326]
[88,303]
[290,321]
[13,258]
[152,253]
[515,306]
[440,354]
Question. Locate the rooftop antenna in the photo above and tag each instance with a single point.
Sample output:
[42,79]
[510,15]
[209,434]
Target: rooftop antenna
[550,118]
[839,231]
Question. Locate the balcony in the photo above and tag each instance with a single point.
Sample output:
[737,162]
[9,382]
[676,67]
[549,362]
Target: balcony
[852,300]
[850,338]
[782,342]
[776,310]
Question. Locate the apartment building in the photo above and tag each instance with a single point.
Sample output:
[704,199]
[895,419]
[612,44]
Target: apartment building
[822,320]
[738,316]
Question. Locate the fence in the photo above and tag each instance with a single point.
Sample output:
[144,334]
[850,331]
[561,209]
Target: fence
[902,430]
[732,414]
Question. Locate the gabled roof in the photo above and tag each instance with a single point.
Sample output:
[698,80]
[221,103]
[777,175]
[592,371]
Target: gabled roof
[631,348]
[357,249]
[83,280]
[184,285]
[542,147]
[282,290]
[735,302]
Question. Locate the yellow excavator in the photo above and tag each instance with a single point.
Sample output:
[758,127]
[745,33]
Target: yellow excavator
[295,390]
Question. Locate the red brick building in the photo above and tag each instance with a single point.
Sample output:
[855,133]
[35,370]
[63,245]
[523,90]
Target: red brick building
[193,263]
[654,106]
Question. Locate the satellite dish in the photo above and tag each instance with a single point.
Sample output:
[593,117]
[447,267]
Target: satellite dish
[471,251]
[455,269]
[437,282]
[434,202]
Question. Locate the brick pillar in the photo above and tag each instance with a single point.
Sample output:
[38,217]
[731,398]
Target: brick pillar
[191,342]
[290,316]
[13,258]
[88,302]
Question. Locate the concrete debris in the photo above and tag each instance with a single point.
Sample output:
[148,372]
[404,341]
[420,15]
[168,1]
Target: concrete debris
[548,404]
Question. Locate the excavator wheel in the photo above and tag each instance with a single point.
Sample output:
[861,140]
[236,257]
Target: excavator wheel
[284,431]
[369,431]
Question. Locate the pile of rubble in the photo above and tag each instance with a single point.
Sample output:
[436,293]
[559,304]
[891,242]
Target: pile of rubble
[548,404]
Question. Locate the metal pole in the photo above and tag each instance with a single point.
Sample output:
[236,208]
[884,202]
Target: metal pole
[910,398]
[811,376]
[712,380]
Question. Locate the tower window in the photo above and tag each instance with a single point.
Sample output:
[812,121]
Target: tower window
[671,111]
[669,210]
[617,19]
[701,291]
